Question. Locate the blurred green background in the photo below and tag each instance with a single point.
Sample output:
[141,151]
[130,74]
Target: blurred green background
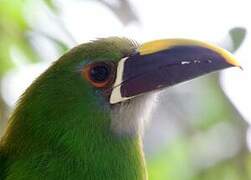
[199,130]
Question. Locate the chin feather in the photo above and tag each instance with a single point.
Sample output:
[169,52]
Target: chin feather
[130,117]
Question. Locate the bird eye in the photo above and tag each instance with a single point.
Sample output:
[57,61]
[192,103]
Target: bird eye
[100,74]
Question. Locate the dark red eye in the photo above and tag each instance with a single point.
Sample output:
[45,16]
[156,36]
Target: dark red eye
[100,74]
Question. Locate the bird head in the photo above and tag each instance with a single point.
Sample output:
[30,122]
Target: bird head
[111,83]
[119,78]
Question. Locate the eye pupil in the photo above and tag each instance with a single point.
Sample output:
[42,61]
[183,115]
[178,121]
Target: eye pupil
[100,73]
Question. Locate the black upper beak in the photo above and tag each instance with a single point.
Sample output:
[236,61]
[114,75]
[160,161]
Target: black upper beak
[164,63]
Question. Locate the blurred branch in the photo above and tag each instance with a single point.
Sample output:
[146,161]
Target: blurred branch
[54,13]
[123,10]
[51,5]
[63,47]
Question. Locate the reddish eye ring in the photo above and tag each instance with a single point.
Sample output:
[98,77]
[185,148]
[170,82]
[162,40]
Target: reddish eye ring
[100,74]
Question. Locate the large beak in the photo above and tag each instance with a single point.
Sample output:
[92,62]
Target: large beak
[164,63]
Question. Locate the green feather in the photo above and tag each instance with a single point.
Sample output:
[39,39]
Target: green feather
[61,130]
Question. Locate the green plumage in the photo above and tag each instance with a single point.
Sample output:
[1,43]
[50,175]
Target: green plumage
[82,118]
[61,128]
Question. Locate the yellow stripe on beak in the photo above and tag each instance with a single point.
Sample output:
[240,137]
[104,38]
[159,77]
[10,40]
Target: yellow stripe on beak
[159,45]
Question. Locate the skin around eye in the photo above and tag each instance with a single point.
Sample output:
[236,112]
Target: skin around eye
[100,75]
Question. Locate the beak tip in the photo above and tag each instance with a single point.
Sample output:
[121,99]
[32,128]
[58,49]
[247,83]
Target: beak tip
[230,59]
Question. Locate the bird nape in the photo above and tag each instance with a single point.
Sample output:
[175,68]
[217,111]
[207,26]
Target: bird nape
[83,117]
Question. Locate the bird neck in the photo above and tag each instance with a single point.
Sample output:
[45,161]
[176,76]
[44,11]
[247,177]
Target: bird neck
[71,138]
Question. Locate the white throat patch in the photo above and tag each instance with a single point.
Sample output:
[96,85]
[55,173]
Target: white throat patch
[130,117]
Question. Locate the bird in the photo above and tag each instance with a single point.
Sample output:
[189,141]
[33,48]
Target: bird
[84,117]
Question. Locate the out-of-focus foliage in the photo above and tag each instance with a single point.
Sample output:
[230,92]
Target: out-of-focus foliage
[210,142]
[16,47]
[13,29]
